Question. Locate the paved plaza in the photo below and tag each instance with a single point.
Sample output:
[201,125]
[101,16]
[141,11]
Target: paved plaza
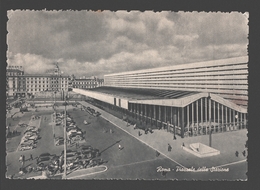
[137,159]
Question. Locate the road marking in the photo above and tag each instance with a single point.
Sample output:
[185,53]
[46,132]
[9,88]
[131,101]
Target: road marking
[137,162]
[144,142]
[90,173]
[232,163]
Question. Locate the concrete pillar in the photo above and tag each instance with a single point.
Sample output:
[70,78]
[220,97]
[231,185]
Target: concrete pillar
[178,117]
[201,111]
[165,114]
[241,120]
[171,117]
[197,112]
[151,113]
[146,115]
[230,117]
[182,121]
[222,116]
[175,117]
[209,115]
[154,114]
[188,117]
[192,113]
[226,119]
[244,119]
[160,116]
[234,118]
[218,117]
[206,112]
[214,113]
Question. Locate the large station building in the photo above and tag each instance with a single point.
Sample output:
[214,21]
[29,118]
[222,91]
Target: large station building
[188,99]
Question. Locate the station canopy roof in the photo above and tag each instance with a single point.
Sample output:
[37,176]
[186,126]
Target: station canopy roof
[175,98]
[143,93]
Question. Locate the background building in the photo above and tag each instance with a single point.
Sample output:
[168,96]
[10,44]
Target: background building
[20,84]
[87,83]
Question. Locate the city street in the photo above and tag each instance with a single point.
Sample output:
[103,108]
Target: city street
[137,159]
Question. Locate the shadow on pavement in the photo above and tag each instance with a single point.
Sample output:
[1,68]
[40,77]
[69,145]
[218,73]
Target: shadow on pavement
[110,146]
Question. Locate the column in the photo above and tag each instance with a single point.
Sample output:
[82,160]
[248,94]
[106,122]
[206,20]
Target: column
[230,117]
[182,122]
[178,117]
[201,111]
[165,114]
[171,116]
[226,119]
[218,117]
[214,112]
[192,113]
[174,119]
[160,116]
[209,115]
[188,117]
[197,111]
[154,114]
[244,119]
[222,116]
[234,119]
[241,120]
[206,112]
[146,115]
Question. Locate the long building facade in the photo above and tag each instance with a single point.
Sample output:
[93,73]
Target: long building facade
[226,77]
[189,100]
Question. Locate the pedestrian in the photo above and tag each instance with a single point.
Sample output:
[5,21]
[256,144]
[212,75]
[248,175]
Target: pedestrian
[169,148]
[22,164]
[183,144]
[237,153]
[31,157]
[139,133]
[244,153]
[23,158]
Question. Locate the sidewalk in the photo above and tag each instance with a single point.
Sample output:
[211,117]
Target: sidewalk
[227,143]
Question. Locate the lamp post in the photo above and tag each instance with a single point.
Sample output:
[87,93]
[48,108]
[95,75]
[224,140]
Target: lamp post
[65,141]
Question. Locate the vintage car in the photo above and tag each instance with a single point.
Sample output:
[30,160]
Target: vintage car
[85,122]
[28,147]
[59,142]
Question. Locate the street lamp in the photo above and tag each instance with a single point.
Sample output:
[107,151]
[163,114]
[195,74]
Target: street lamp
[65,140]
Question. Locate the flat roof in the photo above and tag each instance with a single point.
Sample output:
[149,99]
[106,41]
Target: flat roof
[142,93]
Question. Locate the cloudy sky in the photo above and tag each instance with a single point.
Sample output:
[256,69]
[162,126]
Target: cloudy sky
[86,43]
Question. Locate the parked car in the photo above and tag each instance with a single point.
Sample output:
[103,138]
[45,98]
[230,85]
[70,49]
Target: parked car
[26,142]
[86,123]
[32,137]
[95,162]
[28,147]
[59,142]
[30,133]
[76,138]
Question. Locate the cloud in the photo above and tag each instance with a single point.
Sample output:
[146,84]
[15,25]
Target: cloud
[95,43]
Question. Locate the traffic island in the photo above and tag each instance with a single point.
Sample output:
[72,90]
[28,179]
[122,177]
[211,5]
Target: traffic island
[201,150]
